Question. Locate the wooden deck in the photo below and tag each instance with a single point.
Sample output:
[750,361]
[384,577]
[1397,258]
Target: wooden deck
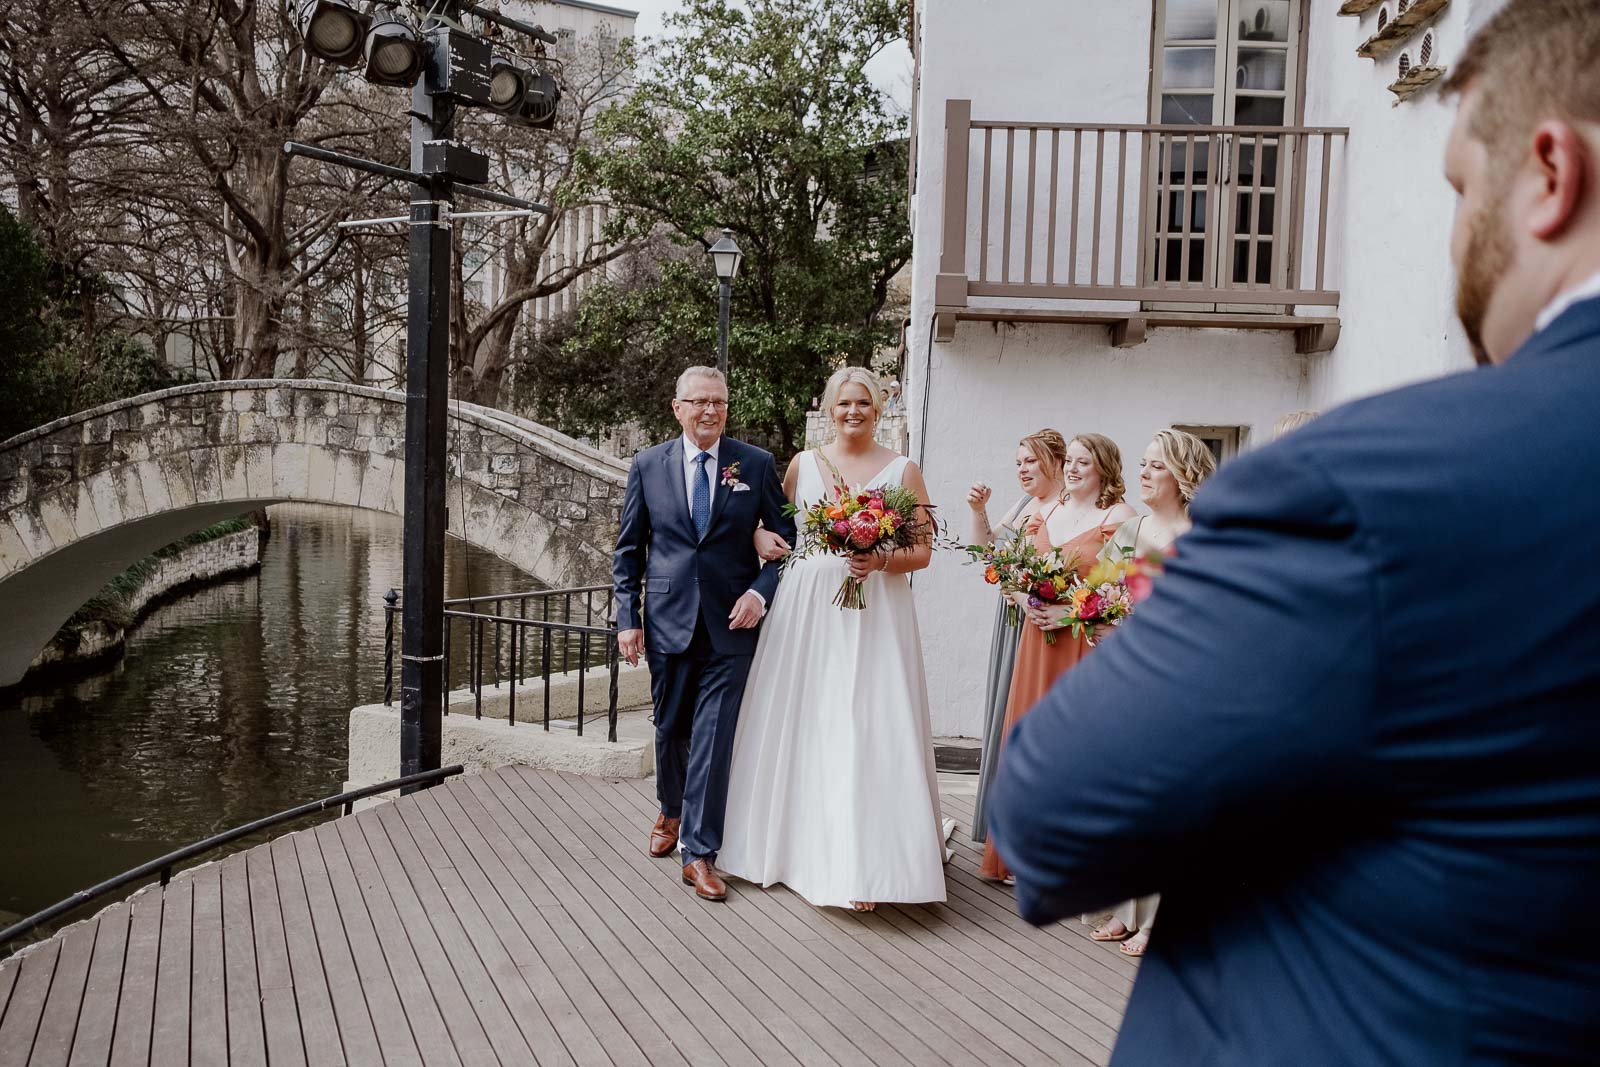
[515,918]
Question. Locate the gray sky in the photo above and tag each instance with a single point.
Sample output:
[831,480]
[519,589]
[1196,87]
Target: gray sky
[891,71]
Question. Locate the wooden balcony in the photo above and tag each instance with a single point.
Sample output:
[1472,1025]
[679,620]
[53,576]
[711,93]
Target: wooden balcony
[1139,226]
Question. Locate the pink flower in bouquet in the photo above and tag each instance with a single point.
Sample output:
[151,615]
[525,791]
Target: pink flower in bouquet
[863,530]
[1139,586]
[842,528]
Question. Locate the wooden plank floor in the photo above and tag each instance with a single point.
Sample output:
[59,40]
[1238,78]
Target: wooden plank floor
[515,918]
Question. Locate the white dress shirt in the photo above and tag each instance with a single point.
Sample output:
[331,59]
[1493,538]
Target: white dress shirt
[713,476]
[713,472]
[1586,290]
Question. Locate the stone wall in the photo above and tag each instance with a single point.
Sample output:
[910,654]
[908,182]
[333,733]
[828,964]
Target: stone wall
[236,553]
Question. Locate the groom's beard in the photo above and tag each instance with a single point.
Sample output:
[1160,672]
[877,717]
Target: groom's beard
[1488,257]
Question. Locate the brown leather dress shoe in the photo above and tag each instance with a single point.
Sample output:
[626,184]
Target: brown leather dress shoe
[707,886]
[664,838]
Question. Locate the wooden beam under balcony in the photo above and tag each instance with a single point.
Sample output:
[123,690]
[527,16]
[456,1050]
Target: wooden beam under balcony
[1127,329]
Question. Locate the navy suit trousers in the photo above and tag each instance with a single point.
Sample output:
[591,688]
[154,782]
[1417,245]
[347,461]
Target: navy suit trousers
[697,694]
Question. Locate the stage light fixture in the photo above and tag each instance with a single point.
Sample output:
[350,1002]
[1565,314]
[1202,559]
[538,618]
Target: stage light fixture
[333,30]
[394,54]
[539,106]
[508,85]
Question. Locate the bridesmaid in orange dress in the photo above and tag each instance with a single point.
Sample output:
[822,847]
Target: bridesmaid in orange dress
[1089,512]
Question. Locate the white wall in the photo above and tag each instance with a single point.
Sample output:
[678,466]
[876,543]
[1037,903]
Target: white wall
[1086,60]
[995,383]
[581,19]
[1391,254]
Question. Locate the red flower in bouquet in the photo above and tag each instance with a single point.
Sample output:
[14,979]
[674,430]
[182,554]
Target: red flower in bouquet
[1047,591]
[865,529]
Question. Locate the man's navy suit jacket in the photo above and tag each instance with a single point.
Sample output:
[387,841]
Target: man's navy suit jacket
[1353,738]
[683,575]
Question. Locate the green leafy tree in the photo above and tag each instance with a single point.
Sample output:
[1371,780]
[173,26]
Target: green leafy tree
[755,116]
[53,359]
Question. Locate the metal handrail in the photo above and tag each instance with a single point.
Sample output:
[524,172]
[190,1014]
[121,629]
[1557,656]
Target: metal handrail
[595,638]
[164,864]
[536,594]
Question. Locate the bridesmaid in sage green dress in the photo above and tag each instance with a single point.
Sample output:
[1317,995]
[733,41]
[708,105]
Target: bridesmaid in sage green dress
[1040,458]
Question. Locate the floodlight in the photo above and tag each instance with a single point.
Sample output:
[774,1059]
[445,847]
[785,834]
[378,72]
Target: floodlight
[393,53]
[333,30]
[508,85]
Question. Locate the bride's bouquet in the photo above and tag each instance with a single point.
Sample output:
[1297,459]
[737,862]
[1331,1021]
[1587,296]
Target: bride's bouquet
[861,522]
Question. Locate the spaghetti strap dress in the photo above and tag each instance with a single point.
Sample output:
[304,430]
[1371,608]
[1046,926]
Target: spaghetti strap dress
[1040,663]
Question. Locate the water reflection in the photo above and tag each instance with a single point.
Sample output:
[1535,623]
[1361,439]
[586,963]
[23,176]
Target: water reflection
[229,704]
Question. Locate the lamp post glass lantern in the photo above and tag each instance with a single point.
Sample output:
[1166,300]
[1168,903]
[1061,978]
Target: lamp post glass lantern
[725,259]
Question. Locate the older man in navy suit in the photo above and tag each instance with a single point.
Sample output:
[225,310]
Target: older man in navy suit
[1354,736]
[686,543]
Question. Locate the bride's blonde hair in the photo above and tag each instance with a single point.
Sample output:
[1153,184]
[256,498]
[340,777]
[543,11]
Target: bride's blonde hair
[836,383]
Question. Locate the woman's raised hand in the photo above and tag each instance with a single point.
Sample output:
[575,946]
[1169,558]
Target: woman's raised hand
[978,496]
[770,546]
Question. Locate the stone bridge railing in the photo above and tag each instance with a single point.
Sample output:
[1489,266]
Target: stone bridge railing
[83,498]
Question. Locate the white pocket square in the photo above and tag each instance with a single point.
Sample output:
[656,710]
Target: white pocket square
[740,487]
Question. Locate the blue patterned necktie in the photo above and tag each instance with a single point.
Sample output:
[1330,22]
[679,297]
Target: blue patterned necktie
[700,506]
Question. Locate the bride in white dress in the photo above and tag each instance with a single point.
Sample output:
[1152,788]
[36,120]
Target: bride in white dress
[833,790]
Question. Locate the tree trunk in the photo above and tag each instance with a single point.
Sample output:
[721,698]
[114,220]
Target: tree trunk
[255,331]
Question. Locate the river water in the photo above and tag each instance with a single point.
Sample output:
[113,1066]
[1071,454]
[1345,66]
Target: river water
[230,703]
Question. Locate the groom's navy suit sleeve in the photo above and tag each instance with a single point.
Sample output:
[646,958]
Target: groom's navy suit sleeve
[1231,701]
[627,562]
[773,518]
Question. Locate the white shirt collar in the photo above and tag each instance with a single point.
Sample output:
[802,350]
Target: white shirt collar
[691,450]
[1585,290]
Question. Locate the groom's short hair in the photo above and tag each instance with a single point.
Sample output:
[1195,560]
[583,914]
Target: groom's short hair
[1534,60]
[698,372]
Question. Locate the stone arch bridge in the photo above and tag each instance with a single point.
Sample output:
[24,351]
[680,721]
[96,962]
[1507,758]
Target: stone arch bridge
[83,498]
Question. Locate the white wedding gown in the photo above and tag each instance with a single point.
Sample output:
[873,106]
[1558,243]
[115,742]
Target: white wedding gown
[833,790]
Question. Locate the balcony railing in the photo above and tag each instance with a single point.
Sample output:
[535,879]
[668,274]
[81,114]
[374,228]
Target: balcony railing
[1227,224]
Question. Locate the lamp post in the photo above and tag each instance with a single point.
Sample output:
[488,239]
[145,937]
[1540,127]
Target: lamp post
[446,68]
[725,258]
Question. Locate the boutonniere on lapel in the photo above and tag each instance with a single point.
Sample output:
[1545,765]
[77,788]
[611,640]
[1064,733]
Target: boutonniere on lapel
[730,478]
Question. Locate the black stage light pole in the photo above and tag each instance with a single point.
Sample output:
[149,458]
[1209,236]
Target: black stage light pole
[456,70]
[427,394]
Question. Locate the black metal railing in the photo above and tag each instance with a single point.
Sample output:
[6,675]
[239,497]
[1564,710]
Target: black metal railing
[512,639]
[164,865]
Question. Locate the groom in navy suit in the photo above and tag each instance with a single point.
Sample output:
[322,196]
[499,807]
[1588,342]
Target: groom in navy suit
[1353,738]
[691,593]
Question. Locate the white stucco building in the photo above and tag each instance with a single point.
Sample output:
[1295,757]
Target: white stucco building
[1132,214]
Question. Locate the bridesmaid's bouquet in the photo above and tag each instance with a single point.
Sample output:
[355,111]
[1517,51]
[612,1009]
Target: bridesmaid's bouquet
[861,522]
[1018,567]
[1107,594]
[1002,564]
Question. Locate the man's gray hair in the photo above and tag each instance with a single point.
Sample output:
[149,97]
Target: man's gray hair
[698,372]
